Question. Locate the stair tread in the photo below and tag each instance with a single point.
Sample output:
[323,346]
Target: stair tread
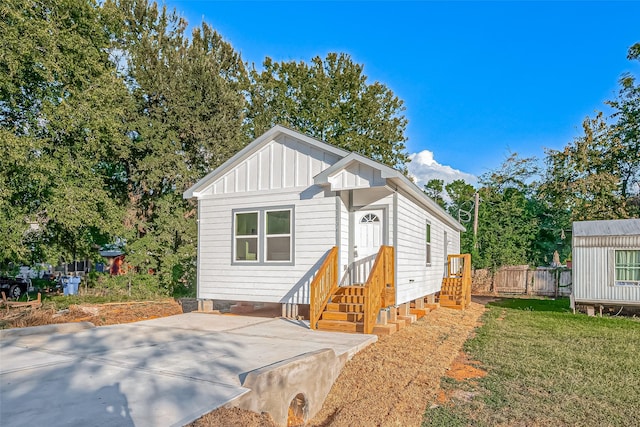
[340,325]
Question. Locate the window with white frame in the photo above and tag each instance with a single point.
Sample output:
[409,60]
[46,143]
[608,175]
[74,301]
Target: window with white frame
[246,236]
[278,235]
[627,266]
[428,243]
[263,235]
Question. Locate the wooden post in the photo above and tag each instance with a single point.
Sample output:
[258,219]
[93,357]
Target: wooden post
[393,314]
[404,309]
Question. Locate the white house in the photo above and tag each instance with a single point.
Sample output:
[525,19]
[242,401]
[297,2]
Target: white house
[606,263]
[270,215]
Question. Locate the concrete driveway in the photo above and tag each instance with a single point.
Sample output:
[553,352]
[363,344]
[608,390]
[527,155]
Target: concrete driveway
[161,372]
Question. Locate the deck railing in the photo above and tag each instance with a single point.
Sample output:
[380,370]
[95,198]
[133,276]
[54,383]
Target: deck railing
[358,271]
[456,287]
[379,288]
[324,284]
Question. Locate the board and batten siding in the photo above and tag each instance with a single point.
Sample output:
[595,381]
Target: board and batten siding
[281,165]
[414,278]
[357,175]
[593,270]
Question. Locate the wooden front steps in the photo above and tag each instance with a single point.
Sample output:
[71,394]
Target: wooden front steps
[345,311]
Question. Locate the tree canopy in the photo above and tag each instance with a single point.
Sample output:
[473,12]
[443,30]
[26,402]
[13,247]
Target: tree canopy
[331,100]
[110,110]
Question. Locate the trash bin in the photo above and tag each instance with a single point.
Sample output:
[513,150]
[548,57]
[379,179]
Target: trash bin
[73,285]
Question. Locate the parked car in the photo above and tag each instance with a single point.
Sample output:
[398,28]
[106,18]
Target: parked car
[14,287]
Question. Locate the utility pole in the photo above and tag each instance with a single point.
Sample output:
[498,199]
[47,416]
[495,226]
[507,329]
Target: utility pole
[475,220]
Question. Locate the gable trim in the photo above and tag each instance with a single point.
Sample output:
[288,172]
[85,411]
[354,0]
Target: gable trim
[255,145]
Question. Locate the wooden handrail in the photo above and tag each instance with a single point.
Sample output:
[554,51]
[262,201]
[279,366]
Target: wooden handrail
[324,284]
[459,277]
[379,288]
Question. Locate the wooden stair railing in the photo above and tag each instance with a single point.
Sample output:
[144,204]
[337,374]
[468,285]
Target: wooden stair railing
[379,288]
[324,284]
[456,287]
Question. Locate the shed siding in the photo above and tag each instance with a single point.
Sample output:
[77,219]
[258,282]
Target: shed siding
[414,278]
[314,234]
[593,269]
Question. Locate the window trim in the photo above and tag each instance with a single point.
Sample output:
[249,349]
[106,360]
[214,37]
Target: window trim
[428,244]
[289,235]
[261,256]
[616,282]
[235,237]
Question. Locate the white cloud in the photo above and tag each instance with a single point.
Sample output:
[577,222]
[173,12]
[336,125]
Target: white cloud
[423,167]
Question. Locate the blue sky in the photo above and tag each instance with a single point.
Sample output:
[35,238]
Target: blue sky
[479,79]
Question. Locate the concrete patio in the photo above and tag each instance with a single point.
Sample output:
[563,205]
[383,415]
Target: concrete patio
[165,372]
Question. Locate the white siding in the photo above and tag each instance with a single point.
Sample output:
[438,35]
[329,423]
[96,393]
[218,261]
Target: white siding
[414,278]
[357,175]
[343,261]
[593,269]
[282,164]
[314,234]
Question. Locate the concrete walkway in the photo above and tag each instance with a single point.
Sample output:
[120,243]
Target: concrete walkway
[161,372]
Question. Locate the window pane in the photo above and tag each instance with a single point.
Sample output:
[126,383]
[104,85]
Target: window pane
[247,224]
[278,248]
[428,233]
[246,249]
[628,265]
[278,222]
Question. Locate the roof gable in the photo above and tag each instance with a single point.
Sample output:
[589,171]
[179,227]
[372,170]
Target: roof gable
[352,172]
[280,158]
[269,163]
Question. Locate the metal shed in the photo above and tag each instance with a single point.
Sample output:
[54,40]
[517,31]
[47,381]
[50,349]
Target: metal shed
[606,263]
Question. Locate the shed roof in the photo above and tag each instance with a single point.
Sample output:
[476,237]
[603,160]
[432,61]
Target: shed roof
[611,227]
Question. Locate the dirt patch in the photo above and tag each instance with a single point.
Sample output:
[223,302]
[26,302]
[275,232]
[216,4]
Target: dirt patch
[234,417]
[462,369]
[98,314]
[391,382]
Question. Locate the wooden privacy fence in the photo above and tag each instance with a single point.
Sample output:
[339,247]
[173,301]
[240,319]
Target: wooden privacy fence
[520,279]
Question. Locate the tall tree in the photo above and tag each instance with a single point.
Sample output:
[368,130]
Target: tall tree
[597,176]
[331,100]
[461,205]
[187,118]
[61,109]
[507,223]
[434,189]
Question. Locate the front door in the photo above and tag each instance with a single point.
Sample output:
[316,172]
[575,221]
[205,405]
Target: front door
[368,233]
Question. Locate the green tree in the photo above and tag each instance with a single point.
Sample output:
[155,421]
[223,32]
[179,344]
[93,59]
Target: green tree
[331,100]
[597,176]
[434,189]
[507,222]
[186,119]
[461,206]
[61,109]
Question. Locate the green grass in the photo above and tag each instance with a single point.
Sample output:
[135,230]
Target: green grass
[548,366]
